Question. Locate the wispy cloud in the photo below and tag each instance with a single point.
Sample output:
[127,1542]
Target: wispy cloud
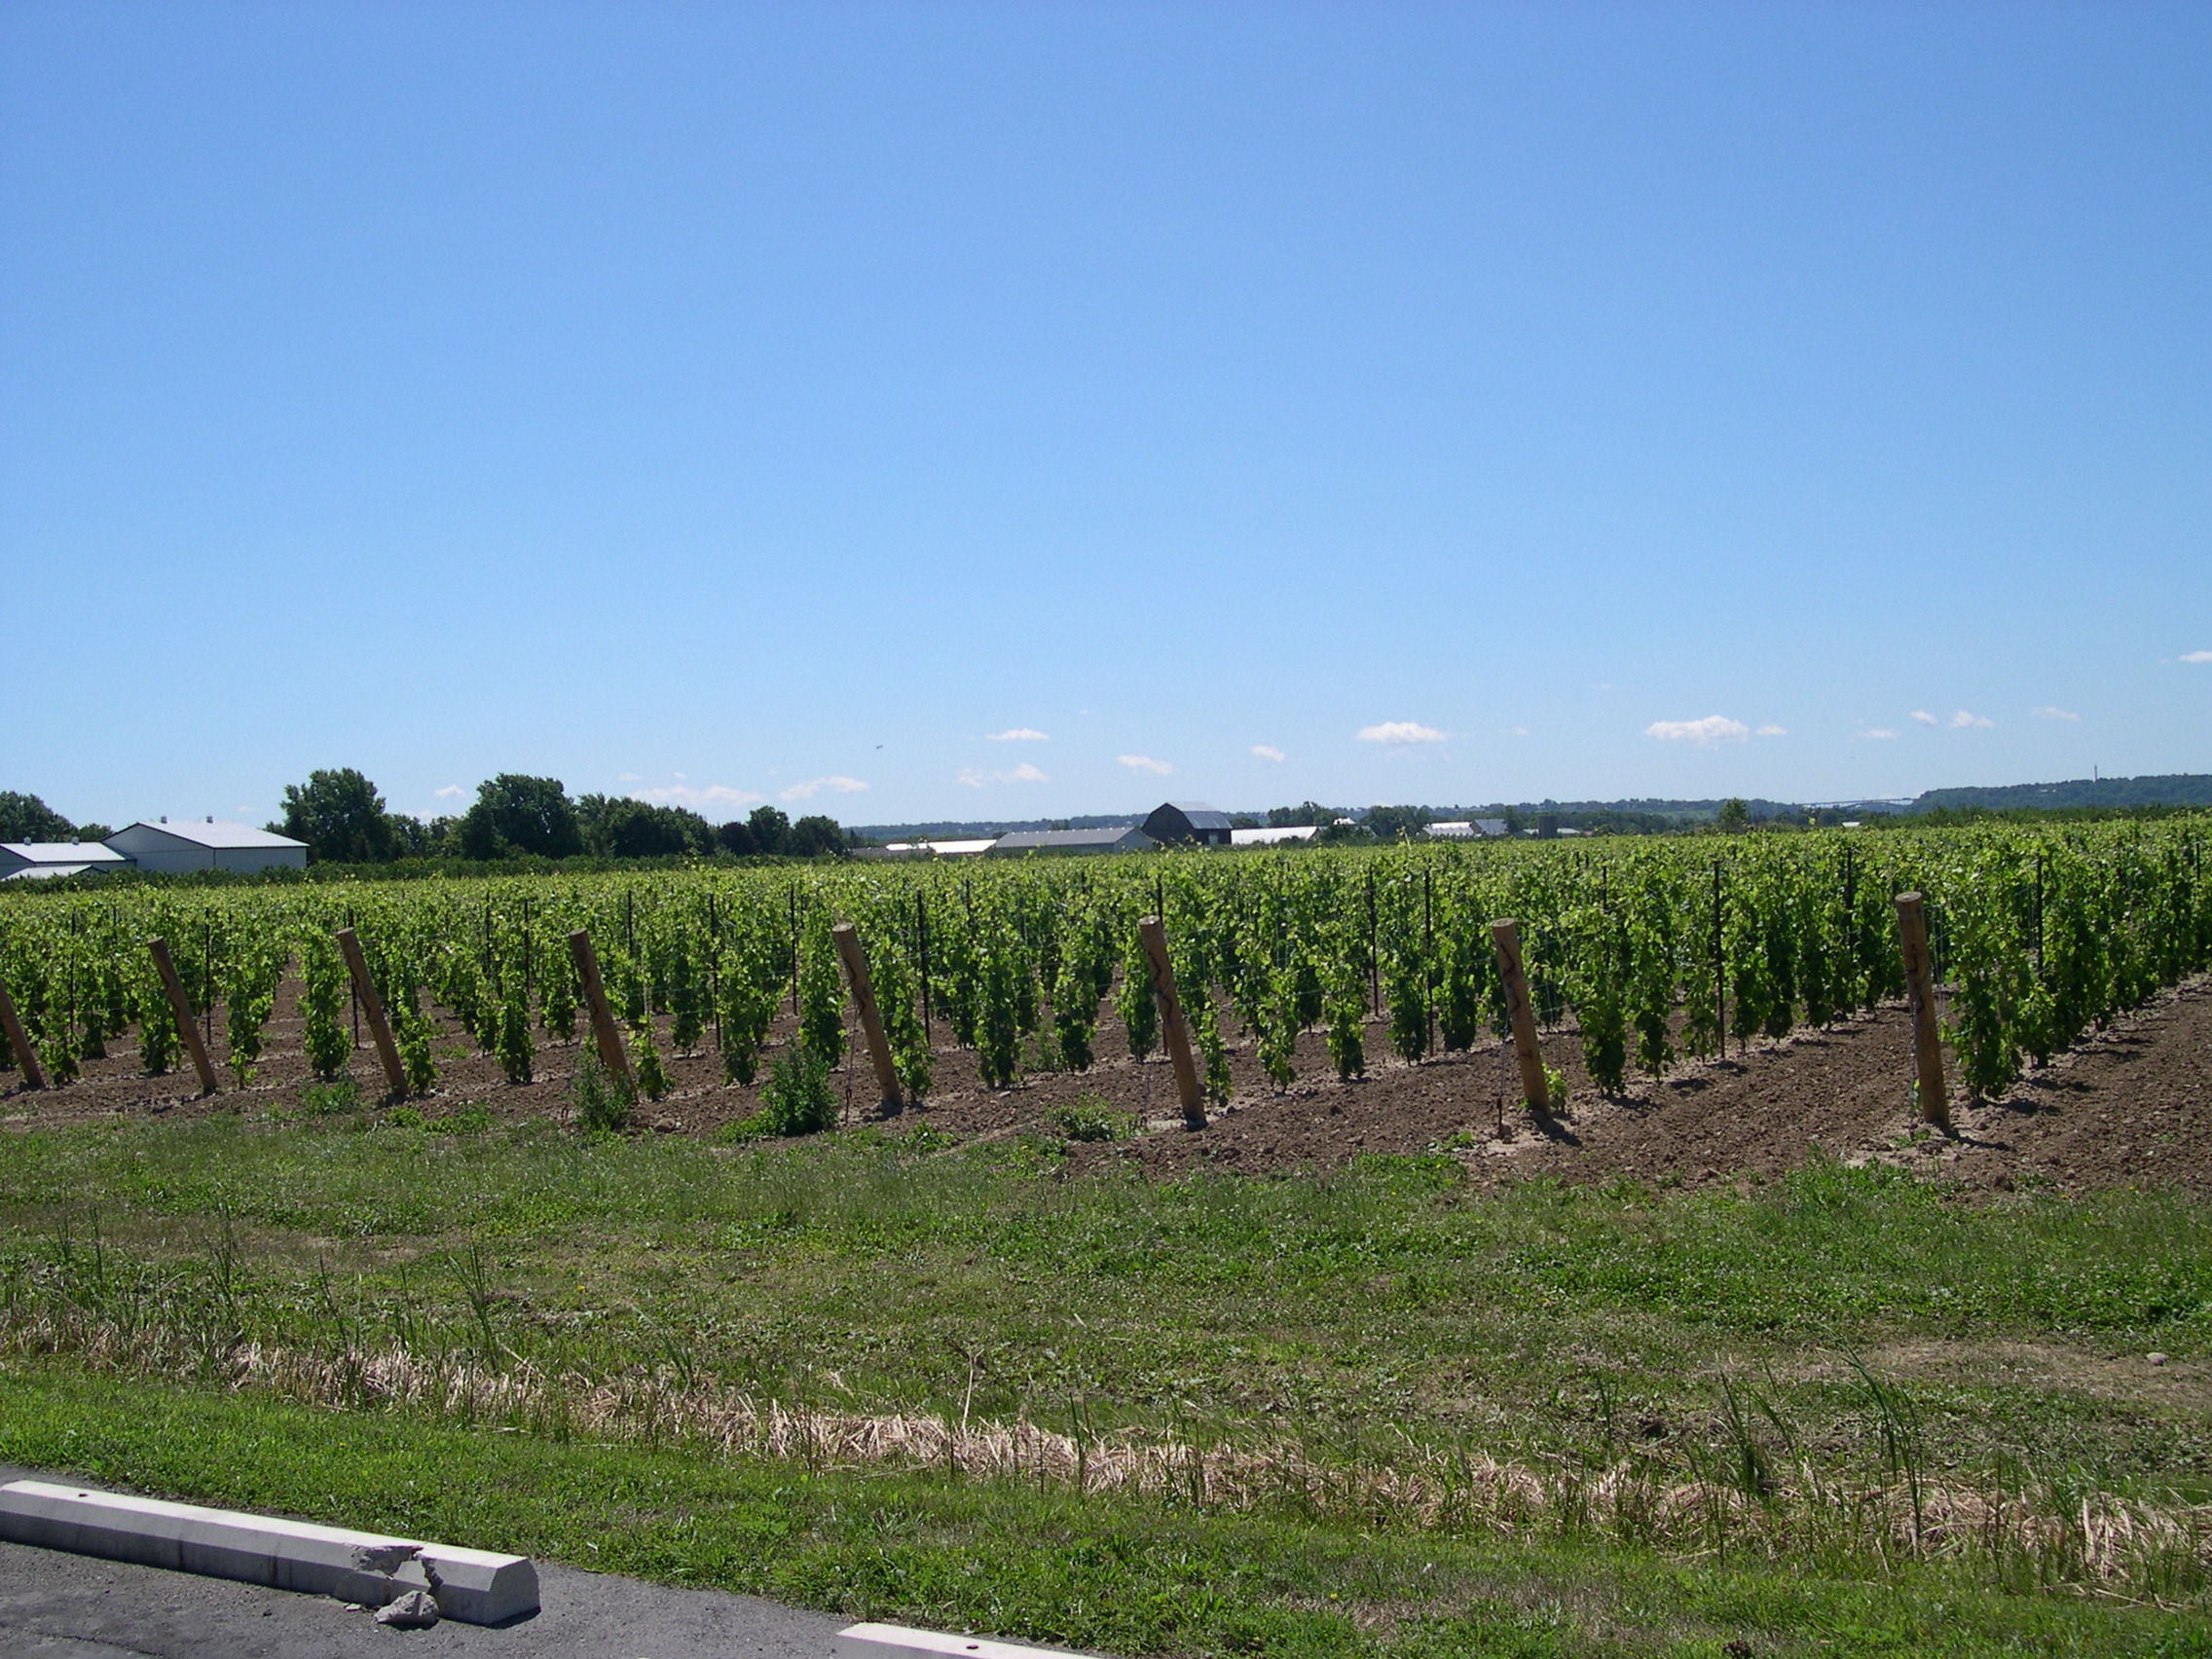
[1924,718]
[1400,731]
[1962,719]
[1714,728]
[815,786]
[628,778]
[683,795]
[1772,731]
[1146,764]
[2049,713]
[1877,733]
[2196,657]
[1018,734]
[452,792]
[975,777]
[1269,752]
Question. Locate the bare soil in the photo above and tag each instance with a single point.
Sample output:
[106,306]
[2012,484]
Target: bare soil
[2131,1106]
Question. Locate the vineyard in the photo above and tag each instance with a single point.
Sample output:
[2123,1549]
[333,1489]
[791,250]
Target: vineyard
[1640,956]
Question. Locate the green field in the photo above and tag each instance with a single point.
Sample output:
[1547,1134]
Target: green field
[1368,1412]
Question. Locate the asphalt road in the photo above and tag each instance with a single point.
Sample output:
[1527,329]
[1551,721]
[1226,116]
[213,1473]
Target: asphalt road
[67,1606]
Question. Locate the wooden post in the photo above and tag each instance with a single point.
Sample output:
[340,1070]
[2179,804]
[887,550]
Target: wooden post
[1153,932]
[613,1053]
[1920,989]
[871,1021]
[187,1027]
[20,1041]
[1505,938]
[366,999]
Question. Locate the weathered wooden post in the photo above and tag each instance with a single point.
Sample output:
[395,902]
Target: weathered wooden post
[1920,990]
[367,1000]
[20,1041]
[1505,939]
[187,1027]
[614,1054]
[871,1020]
[1153,932]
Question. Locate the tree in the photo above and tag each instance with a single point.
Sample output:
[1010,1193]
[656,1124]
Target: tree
[521,814]
[341,817]
[1307,812]
[621,828]
[736,838]
[814,837]
[770,828]
[27,818]
[1734,816]
[1389,822]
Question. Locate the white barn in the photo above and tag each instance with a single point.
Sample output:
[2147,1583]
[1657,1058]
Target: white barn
[36,861]
[170,849]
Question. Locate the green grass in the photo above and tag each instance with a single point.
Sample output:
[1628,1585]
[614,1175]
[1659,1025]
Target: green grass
[1383,1317]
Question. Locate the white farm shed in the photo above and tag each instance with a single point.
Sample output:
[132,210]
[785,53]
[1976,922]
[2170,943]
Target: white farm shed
[170,849]
[1274,836]
[36,861]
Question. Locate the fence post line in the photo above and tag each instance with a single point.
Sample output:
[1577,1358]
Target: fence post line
[1920,991]
[365,999]
[1153,932]
[871,1019]
[20,1041]
[1505,939]
[187,1027]
[612,1054]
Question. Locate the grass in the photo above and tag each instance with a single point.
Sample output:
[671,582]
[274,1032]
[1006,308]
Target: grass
[1564,1418]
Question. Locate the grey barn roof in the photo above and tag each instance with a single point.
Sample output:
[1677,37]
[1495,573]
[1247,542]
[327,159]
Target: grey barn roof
[212,833]
[1125,838]
[1200,815]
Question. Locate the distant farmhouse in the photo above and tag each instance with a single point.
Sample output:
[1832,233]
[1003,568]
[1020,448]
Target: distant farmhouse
[170,849]
[43,860]
[1188,822]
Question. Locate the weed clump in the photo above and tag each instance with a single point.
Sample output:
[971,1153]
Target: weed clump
[1089,1120]
[797,1099]
[599,1099]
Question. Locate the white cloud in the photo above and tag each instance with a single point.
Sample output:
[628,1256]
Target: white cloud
[683,795]
[975,778]
[1877,732]
[1018,734]
[452,792]
[1963,720]
[2196,657]
[628,778]
[1146,764]
[1714,728]
[1269,752]
[2050,713]
[815,786]
[1400,731]
[1518,731]
[1772,731]
[1924,717]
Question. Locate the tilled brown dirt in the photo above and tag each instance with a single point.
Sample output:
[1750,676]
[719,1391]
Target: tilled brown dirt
[2131,1106]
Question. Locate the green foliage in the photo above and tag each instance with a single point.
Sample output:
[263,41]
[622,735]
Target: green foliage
[518,814]
[686,997]
[250,972]
[1135,1003]
[748,996]
[517,1052]
[598,1100]
[341,817]
[645,1064]
[1278,1038]
[328,1041]
[414,1040]
[821,992]
[797,1099]
[1075,1014]
[557,996]
[27,818]
[157,1037]
[1090,1120]
[998,1023]
[1213,1053]
[1407,1009]
[1348,1026]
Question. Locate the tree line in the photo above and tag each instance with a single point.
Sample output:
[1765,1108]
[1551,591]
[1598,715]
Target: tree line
[343,819]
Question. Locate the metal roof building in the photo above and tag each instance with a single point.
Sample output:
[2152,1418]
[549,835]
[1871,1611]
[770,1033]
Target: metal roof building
[1126,838]
[1274,836]
[170,849]
[37,860]
[1184,822]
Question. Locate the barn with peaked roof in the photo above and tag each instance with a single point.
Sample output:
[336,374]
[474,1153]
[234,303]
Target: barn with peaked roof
[1186,824]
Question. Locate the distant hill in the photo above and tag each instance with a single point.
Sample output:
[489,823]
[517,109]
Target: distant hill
[2170,788]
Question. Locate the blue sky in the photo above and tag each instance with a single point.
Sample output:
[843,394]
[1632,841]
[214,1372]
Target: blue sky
[921,411]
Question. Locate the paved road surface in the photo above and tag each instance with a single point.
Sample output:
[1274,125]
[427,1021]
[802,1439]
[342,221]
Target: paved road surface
[66,1607]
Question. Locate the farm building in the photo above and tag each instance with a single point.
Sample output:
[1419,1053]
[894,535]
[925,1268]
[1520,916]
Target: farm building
[1467,828]
[964,849]
[1274,836]
[204,844]
[1123,839]
[1183,823]
[36,861]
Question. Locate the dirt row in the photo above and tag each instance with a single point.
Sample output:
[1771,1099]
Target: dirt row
[2133,1105]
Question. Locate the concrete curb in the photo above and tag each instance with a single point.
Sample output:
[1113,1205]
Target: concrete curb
[903,1642]
[472,1586]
